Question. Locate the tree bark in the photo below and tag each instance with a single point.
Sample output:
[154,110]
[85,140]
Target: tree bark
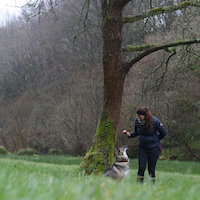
[101,154]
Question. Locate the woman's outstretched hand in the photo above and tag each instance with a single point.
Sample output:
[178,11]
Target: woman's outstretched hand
[125,132]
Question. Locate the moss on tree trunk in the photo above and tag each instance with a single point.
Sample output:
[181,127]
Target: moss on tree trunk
[101,154]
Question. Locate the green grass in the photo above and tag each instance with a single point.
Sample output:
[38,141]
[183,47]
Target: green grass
[58,178]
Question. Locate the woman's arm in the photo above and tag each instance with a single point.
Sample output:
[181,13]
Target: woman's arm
[161,129]
[133,133]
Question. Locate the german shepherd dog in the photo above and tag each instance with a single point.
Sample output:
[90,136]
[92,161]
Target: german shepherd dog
[120,169]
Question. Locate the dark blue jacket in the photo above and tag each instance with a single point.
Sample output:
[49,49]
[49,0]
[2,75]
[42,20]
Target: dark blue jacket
[148,140]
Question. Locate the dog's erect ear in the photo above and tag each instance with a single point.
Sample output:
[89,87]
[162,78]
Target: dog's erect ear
[125,148]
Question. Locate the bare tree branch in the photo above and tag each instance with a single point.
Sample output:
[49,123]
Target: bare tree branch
[153,48]
[34,8]
[156,11]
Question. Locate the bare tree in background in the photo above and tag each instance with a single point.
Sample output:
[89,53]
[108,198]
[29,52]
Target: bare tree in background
[47,60]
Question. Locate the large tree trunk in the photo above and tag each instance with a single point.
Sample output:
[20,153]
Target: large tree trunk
[101,153]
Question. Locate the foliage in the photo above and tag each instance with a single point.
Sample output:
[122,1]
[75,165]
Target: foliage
[27,152]
[175,180]
[55,151]
[3,150]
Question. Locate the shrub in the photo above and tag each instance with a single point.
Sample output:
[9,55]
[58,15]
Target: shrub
[3,150]
[54,151]
[27,152]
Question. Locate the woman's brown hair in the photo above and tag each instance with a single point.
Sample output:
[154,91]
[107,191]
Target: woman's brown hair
[148,116]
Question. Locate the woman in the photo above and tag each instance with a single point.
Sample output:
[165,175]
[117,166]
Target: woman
[150,131]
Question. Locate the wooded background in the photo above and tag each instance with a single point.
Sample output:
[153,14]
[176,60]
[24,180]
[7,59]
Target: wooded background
[51,89]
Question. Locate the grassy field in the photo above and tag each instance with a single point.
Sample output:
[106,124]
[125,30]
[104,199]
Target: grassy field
[58,178]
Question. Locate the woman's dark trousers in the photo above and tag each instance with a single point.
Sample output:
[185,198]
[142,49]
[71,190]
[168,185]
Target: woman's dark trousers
[150,157]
